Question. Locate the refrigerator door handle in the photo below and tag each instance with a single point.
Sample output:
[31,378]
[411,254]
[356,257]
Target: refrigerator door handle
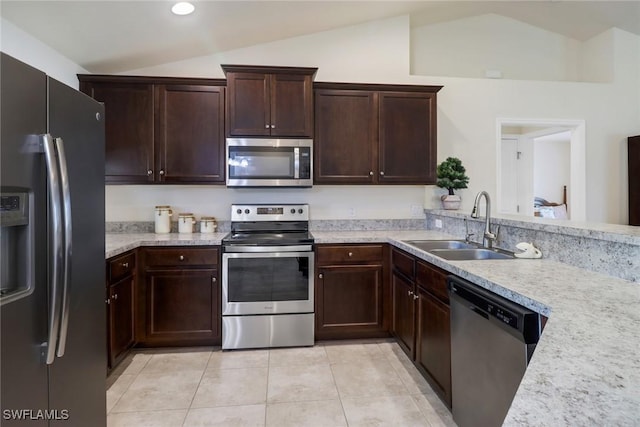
[66,270]
[56,251]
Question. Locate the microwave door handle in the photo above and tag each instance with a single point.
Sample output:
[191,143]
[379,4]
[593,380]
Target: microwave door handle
[56,251]
[296,162]
[66,272]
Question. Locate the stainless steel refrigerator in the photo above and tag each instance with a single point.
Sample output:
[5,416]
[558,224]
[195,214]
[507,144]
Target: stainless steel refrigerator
[52,311]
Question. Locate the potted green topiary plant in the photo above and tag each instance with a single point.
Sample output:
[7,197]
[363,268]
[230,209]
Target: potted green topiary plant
[451,175]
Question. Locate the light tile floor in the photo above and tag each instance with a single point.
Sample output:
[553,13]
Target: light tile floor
[363,383]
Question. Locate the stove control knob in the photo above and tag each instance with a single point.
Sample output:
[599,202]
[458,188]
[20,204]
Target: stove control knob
[300,211]
[293,211]
[246,211]
[239,211]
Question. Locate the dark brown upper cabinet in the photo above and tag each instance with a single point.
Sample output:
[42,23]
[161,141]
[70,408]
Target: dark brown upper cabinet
[269,101]
[160,129]
[375,134]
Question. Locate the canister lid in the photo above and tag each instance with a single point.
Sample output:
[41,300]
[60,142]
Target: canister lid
[186,214]
[163,207]
[207,218]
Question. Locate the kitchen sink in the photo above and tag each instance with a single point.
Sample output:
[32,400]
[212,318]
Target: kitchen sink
[428,245]
[459,250]
[471,254]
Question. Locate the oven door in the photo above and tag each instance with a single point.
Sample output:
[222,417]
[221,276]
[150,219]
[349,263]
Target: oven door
[267,280]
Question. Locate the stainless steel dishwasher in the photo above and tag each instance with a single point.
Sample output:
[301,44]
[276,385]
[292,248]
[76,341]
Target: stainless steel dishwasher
[492,340]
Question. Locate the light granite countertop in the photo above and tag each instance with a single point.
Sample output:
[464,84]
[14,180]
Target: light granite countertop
[586,368]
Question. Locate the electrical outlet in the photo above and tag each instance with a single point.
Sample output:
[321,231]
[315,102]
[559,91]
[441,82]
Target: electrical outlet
[438,223]
[352,212]
[416,211]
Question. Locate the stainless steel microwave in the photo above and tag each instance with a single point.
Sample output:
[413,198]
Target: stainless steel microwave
[262,162]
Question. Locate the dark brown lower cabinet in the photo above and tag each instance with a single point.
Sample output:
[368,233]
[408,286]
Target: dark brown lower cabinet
[350,292]
[404,313]
[181,295]
[421,321]
[121,321]
[433,349]
[120,300]
[634,179]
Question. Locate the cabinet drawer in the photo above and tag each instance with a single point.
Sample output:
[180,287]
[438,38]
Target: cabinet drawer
[180,257]
[432,279]
[403,263]
[121,266]
[348,254]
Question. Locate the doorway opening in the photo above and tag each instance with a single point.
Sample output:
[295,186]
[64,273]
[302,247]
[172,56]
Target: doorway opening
[541,168]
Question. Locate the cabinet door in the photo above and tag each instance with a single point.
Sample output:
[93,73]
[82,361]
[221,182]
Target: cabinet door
[183,307]
[403,313]
[407,126]
[248,112]
[190,135]
[291,105]
[433,346]
[345,137]
[121,319]
[129,145]
[633,154]
[349,302]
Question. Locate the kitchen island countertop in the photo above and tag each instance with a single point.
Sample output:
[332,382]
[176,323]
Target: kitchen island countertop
[586,367]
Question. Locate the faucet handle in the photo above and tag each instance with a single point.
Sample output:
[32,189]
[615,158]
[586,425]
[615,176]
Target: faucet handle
[493,236]
[468,237]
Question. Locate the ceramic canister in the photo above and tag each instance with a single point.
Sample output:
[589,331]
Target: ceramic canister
[208,224]
[163,219]
[186,222]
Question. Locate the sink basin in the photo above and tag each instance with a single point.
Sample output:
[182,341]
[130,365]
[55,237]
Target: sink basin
[471,254]
[428,245]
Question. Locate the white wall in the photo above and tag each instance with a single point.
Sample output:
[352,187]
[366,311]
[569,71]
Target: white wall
[551,166]
[26,48]
[468,47]
[136,203]
[467,111]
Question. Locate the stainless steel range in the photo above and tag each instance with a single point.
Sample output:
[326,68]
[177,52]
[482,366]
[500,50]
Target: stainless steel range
[267,278]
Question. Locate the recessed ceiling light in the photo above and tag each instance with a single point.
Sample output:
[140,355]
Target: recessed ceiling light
[183,8]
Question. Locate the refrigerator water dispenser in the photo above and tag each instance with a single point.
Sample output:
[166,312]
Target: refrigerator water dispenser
[16,277]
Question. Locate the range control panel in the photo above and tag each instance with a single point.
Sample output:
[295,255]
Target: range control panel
[284,212]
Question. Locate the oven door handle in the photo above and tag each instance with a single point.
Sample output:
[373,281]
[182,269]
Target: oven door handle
[263,249]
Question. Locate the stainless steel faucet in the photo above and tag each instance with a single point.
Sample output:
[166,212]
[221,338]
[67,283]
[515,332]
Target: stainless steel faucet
[489,237]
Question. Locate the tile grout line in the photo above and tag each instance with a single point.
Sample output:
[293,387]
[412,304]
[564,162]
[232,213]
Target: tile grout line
[197,387]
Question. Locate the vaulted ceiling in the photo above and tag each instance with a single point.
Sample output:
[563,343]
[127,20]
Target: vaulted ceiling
[116,36]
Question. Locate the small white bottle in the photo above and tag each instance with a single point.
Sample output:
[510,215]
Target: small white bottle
[208,224]
[163,219]
[186,222]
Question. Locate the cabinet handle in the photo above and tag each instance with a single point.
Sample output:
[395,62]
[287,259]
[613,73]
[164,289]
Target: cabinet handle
[266,126]
[214,280]
[370,173]
[115,296]
[381,173]
[409,293]
[161,172]
[350,254]
[125,264]
[149,172]
[273,126]
[181,257]
[320,276]
[415,297]
[108,300]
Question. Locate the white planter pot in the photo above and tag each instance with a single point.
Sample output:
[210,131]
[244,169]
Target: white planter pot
[450,202]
